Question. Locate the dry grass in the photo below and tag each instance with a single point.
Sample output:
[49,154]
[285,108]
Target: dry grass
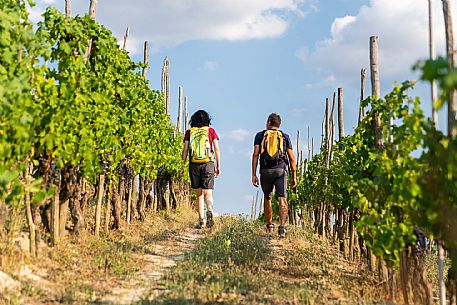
[240,264]
[79,270]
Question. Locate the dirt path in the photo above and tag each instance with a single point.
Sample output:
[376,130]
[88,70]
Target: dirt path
[154,263]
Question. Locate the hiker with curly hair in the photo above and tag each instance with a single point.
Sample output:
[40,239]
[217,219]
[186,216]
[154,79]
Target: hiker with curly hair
[273,150]
[202,147]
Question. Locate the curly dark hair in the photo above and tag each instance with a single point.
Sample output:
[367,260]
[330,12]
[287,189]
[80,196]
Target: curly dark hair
[274,120]
[200,118]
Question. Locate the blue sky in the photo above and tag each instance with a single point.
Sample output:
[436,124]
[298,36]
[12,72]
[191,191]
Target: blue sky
[243,59]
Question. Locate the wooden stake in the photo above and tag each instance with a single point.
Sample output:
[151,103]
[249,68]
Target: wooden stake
[442,286]
[340,114]
[186,115]
[98,208]
[126,37]
[68,8]
[452,103]
[375,86]
[55,205]
[31,224]
[179,123]
[63,213]
[432,56]
[93,8]
[255,205]
[108,205]
[166,84]
[312,148]
[309,148]
[129,203]
[298,145]
[363,74]
[146,59]
[252,208]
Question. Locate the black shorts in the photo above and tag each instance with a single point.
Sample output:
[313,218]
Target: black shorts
[202,175]
[277,178]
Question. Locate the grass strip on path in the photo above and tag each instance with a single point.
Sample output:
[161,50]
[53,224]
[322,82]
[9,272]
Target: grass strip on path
[238,263]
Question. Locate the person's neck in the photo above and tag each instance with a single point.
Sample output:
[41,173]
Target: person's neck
[273,128]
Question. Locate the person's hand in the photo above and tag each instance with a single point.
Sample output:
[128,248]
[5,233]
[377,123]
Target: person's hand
[218,171]
[293,183]
[255,181]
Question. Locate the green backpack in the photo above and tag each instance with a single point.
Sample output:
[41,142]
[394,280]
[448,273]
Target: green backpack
[200,148]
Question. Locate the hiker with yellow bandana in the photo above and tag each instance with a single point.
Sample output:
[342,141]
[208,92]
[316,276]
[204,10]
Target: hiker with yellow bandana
[202,146]
[273,150]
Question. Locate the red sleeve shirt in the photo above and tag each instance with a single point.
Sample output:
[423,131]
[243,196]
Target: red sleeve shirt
[212,135]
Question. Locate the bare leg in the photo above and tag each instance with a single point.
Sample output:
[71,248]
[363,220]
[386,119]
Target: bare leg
[200,203]
[267,209]
[283,211]
[208,194]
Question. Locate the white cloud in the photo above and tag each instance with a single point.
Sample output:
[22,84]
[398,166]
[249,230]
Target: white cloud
[210,65]
[239,134]
[403,40]
[169,23]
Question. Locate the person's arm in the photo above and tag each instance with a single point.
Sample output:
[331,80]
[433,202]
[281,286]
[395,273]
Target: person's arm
[293,165]
[185,151]
[255,161]
[218,157]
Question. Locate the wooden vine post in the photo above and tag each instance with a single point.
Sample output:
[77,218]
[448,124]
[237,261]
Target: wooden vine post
[452,133]
[363,74]
[93,8]
[452,103]
[67,8]
[166,84]
[126,37]
[28,208]
[375,93]
[186,115]
[141,180]
[55,205]
[179,120]
[432,56]
[98,207]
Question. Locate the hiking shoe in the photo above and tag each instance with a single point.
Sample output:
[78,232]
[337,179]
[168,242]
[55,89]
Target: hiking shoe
[201,224]
[270,228]
[209,219]
[281,232]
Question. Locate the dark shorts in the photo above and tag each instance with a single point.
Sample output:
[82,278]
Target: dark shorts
[202,175]
[275,177]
